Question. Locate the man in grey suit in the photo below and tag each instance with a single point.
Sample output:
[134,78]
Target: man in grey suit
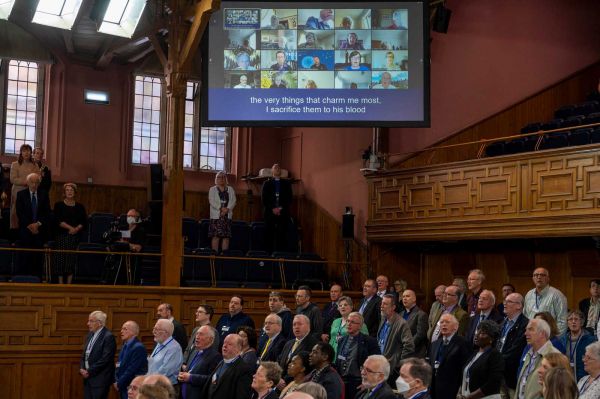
[97,365]
[417,322]
[394,337]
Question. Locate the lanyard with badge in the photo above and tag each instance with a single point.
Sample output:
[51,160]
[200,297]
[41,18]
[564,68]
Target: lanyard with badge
[89,348]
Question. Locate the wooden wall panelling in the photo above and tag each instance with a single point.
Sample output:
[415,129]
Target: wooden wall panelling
[549,193]
[44,327]
[537,108]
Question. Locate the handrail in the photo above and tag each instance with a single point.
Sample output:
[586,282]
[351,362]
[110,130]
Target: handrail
[488,141]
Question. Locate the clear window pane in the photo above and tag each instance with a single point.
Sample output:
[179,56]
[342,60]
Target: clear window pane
[146,123]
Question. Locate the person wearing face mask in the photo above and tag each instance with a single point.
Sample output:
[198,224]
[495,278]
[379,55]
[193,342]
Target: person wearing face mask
[137,235]
[374,373]
[414,379]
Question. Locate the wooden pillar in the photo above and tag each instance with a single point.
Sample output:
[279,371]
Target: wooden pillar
[183,42]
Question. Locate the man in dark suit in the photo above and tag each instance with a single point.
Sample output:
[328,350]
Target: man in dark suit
[486,310]
[512,340]
[303,341]
[232,377]
[276,199]
[353,350]
[448,356]
[330,311]
[375,372]
[97,365]
[204,313]
[414,379]
[323,374]
[165,311]
[33,210]
[417,322]
[370,306]
[204,362]
[593,302]
[272,341]
[133,359]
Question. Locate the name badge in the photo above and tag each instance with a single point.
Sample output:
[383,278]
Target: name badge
[436,365]
[225,328]
[118,365]
[341,357]
[214,379]
[572,364]
[87,365]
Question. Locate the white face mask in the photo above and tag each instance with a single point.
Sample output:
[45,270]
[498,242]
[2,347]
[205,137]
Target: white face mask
[402,386]
[131,220]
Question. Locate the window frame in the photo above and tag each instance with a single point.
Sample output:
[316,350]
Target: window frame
[40,106]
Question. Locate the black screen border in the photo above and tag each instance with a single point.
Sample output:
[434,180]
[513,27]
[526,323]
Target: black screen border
[425,123]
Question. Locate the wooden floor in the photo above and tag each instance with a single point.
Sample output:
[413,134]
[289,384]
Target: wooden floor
[43,327]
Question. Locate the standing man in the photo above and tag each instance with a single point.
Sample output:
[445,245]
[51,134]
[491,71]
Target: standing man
[414,379]
[590,307]
[232,377]
[204,362]
[394,337]
[166,358]
[330,311]
[370,307]
[512,340]
[33,211]
[97,365]
[272,341]
[310,310]
[545,298]
[417,322]
[353,351]
[537,334]
[276,199]
[229,322]
[486,310]
[474,284]
[323,374]
[277,306]
[132,358]
[450,306]
[448,356]
[437,304]
[383,287]
[507,289]
[204,314]
[374,374]
[302,341]
[165,311]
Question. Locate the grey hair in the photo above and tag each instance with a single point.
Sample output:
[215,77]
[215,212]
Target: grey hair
[100,316]
[383,363]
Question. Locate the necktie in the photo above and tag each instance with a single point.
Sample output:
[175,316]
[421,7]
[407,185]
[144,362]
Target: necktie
[34,206]
[295,346]
[266,348]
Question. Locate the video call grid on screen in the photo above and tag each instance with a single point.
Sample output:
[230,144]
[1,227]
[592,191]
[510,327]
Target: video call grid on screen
[318,46]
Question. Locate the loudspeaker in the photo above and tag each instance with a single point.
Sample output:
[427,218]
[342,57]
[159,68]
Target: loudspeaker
[348,227]
[442,19]
[156,182]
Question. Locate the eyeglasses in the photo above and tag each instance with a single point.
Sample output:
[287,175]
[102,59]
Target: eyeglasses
[540,275]
[366,370]
[513,302]
[133,388]
[448,294]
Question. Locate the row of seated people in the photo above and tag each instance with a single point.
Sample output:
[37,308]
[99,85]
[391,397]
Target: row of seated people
[472,351]
[569,116]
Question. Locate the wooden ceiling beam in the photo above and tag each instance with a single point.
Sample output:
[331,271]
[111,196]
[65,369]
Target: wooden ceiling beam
[203,9]
[158,48]
[141,54]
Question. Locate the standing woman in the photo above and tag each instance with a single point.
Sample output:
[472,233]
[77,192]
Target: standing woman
[589,386]
[38,157]
[71,219]
[575,340]
[18,177]
[221,198]
[482,376]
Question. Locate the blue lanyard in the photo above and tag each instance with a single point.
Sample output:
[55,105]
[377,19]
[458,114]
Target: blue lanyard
[375,389]
[572,348]
[537,301]
[506,328]
[586,385]
[156,352]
